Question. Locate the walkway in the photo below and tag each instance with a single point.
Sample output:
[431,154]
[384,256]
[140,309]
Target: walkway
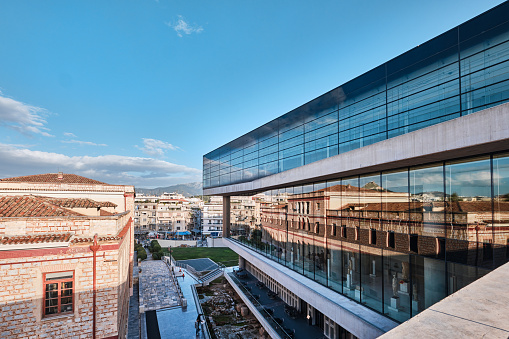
[157,289]
[133,329]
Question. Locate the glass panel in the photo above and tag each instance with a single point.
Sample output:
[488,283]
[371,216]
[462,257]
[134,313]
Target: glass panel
[396,285]
[67,284]
[427,201]
[351,271]
[370,194]
[468,188]
[66,308]
[66,293]
[51,287]
[52,294]
[66,300]
[428,282]
[371,277]
[395,208]
[52,302]
[501,208]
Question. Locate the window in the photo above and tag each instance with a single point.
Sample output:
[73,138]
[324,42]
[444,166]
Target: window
[333,230]
[372,236]
[58,292]
[343,231]
[357,233]
[390,239]
[414,243]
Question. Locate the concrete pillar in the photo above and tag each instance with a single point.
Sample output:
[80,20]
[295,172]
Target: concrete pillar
[242,262]
[226,217]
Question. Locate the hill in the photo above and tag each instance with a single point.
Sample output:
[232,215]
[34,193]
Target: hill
[188,190]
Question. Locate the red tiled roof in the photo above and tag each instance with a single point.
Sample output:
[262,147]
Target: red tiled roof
[35,239]
[104,213]
[79,203]
[31,206]
[54,178]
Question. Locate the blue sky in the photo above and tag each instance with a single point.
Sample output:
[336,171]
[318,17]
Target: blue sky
[137,91]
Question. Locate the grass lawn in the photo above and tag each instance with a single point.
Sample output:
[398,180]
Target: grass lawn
[223,255]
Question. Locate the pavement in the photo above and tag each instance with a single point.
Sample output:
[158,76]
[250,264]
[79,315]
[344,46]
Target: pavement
[157,288]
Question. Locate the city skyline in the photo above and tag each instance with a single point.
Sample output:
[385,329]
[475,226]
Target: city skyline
[136,92]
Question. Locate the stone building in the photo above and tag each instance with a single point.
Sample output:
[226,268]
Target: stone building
[66,249]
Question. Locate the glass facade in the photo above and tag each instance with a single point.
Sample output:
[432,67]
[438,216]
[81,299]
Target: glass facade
[464,70]
[396,241]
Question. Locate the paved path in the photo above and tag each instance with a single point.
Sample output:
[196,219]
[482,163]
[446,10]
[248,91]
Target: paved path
[156,286]
[133,331]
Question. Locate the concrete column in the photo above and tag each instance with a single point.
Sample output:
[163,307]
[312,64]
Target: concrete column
[226,217]
[242,262]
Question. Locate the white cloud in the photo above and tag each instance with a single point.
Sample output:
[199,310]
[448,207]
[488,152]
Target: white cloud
[24,118]
[79,142]
[156,148]
[112,169]
[182,27]
[69,134]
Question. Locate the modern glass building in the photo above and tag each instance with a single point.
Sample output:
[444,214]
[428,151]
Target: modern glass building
[390,191]
[461,71]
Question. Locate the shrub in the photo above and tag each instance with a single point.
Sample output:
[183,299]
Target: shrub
[142,254]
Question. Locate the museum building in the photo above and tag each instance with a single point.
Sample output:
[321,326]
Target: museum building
[386,194]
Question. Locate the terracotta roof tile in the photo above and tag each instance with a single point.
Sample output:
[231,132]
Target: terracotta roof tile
[104,213]
[35,239]
[31,206]
[54,178]
[79,203]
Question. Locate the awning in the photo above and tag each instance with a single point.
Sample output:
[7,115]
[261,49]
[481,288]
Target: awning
[196,230]
[184,233]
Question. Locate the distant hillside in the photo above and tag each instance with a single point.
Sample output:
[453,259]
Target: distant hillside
[188,190]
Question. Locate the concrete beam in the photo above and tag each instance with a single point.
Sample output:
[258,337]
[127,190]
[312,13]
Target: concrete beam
[478,133]
[354,317]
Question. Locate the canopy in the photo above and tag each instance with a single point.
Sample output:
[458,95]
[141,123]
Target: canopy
[184,233]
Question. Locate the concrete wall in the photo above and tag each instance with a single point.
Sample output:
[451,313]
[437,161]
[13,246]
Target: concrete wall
[176,243]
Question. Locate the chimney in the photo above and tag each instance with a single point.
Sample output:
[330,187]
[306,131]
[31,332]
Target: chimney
[60,176]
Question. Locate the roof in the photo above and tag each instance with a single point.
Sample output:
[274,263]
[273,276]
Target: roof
[31,206]
[79,203]
[54,178]
[35,239]
[40,206]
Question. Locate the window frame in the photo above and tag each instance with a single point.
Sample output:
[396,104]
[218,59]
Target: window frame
[59,290]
